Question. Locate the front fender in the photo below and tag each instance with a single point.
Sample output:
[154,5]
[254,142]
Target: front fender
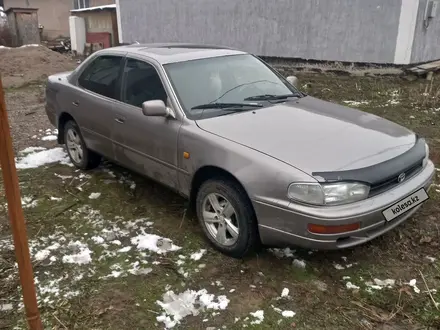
[262,176]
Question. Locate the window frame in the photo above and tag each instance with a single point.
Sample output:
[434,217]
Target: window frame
[118,85]
[81,4]
[124,80]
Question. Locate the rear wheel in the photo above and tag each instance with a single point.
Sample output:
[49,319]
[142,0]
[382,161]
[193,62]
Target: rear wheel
[79,155]
[227,217]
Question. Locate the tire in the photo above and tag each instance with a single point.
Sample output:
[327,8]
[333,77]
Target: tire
[88,158]
[243,219]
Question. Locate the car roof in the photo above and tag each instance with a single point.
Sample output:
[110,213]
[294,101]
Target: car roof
[165,53]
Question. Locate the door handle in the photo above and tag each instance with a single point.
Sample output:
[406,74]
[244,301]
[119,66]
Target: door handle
[119,120]
[75,103]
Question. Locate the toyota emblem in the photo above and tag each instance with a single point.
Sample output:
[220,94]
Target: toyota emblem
[401,177]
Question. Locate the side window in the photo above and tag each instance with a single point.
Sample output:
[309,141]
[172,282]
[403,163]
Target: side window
[102,75]
[142,83]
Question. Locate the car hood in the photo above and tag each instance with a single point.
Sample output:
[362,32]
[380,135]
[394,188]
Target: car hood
[314,135]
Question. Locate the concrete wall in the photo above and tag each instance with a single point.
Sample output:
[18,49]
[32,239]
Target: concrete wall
[339,30]
[52,14]
[426,46]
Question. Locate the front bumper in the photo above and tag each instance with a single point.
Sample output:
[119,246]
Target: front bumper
[286,225]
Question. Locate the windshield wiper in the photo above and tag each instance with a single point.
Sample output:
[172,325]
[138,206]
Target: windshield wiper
[269,97]
[226,105]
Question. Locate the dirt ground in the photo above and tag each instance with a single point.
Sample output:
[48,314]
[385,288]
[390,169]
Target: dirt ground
[26,65]
[392,282]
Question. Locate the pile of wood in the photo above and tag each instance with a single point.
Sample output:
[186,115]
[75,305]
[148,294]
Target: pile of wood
[60,45]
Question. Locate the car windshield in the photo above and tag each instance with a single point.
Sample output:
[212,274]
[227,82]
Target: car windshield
[225,81]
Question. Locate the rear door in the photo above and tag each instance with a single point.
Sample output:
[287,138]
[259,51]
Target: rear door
[93,102]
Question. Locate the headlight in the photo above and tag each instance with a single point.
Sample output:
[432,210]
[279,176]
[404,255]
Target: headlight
[425,160]
[328,193]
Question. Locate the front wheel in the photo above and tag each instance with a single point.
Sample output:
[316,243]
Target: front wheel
[79,155]
[227,217]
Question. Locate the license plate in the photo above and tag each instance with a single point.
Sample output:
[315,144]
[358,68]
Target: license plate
[405,204]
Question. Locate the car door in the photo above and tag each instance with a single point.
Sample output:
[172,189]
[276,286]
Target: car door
[93,102]
[147,145]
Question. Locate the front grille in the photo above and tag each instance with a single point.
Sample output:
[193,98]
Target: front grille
[391,182]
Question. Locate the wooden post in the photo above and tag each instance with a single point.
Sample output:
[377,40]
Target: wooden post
[12,189]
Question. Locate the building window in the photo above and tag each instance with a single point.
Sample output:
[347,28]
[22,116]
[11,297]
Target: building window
[79,4]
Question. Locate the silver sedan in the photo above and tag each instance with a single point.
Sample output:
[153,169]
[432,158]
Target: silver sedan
[260,161]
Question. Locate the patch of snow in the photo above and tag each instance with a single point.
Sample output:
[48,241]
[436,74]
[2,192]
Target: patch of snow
[28,202]
[49,138]
[378,284]
[6,245]
[63,177]
[356,103]
[97,239]
[114,274]
[154,243]
[137,270]
[94,8]
[177,306]
[299,263]
[259,317]
[81,257]
[412,284]
[198,255]
[6,307]
[351,286]
[125,249]
[41,255]
[31,149]
[43,157]
[57,199]
[288,314]
[285,293]
[431,259]
[182,272]
[338,266]
[94,195]
[30,45]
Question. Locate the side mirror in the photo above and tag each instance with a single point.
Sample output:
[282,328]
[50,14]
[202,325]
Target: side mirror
[156,108]
[292,80]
